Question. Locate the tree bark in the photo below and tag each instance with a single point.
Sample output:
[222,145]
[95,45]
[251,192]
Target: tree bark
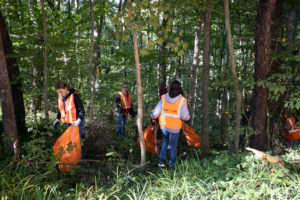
[6,96]
[194,72]
[91,68]
[205,79]
[276,108]
[140,95]
[261,73]
[15,79]
[235,78]
[162,77]
[45,64]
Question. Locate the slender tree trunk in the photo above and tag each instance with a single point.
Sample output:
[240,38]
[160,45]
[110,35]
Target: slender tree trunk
[162,77]
[194,72]
[235,78]
[205,79]
[261,73]
[45,63]
[140,95]
[91,68]
[6,96]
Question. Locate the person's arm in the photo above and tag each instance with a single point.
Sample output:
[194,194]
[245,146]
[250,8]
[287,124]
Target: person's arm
[184,113]
[157,110]
[131,111]
[118,105]
[79,107]
[58,116]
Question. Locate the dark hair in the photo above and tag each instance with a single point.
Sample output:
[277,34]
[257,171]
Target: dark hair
[162,90]
[175,89]
[61,85]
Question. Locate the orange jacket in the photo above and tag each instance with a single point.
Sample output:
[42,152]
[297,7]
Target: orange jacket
[294,132]
[67,111]
[170,113]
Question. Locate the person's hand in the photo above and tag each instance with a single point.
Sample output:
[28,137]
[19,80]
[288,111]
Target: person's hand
[77,122]
[133,114]
[153,122]
[55,123]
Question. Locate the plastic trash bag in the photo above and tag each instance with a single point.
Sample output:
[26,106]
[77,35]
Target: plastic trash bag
[192,138]
[68,149]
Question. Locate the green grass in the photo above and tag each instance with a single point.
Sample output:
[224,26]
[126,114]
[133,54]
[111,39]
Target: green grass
[219,176]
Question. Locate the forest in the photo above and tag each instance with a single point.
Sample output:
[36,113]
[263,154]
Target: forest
[238,63]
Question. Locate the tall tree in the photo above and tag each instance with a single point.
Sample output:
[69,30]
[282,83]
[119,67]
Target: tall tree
[194,72]
[91,67]
[261,73]
[6,96]
[235,78]
[205,78]
[276,107]
[162,77]
[139,93]
[15,80]
[45,63]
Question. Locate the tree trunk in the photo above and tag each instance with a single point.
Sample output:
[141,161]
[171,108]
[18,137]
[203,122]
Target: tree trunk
[235,78]
[140,95]
[91,68]
[45,64]
[261,73]
[194,72]
[15,79]
[6,96]
[162,77]
[276,108]
[205,79]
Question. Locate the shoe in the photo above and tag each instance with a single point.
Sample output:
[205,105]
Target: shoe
[161,165]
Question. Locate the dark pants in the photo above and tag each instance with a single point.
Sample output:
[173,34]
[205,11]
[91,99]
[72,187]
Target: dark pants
[121,121]
[80,126]
[292,144]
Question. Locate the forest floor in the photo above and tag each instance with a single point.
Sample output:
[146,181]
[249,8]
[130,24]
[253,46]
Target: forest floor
[116,174]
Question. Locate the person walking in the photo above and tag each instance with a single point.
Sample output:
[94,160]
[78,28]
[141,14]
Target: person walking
[123,107]
[171,110]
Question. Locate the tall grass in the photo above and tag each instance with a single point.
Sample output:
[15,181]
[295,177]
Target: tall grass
[220,176]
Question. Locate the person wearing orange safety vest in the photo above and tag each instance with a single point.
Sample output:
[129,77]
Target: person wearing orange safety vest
[292,133]
[123,107]
[71,110]
[171,110]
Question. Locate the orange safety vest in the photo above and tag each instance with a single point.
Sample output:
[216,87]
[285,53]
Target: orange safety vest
[68,112]
[294,132]
[170,114]
[126,102]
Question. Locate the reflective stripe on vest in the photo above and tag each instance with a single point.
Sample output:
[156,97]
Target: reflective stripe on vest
[126,102]
[170,114]
[68,112]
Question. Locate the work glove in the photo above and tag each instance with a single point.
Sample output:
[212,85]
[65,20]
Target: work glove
[153,122]
[77,122]
[55,123]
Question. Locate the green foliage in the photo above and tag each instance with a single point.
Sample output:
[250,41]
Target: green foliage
[219,176]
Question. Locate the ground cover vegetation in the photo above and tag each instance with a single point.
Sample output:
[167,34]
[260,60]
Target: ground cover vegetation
[239,66]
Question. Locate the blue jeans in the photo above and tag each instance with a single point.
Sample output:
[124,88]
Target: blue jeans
[81,126]
[121,121]
[173,139]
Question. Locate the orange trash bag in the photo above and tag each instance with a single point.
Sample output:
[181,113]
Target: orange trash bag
[68,149]
[192,138]
[151,142]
